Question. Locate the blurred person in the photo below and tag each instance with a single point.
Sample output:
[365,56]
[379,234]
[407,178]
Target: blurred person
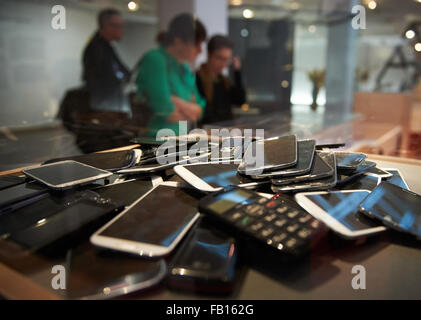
[103,72]
[219,91]
[165,82]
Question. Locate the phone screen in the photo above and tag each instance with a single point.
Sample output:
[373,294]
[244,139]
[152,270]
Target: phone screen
[103,160]
[278,152]
[218,174]
[72,217]
[10,181]
[328,182]
[61,173]
[344,208]
[207,257]
[395,206]
[96,273]
[156,219]
[20,192]
[306,150]
[349,160]
[360,182]
[225,201]
[397,179]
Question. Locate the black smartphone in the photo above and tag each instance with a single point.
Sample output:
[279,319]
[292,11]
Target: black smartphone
[77,212]
[150,142]
[269,154]
[319,169]
[306,150]
[103,274]
[21,195]
[344,177]
[10,181]
[357,182]
[111,161]
[205,262]
[349,161]
[396,207]
[319,184]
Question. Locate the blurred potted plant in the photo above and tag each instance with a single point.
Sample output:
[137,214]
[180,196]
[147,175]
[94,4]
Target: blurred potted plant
[317,78]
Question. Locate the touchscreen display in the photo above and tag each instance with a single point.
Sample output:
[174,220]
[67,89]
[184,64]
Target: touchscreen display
[228,200]
[277,152]
[361,182]
[347,160]
[344,208]
[64,172]
[218,175]
[397,179]
[393,204]
[156,219]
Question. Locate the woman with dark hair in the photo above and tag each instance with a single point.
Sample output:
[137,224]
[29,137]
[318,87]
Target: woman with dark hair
[220,92]
[165,81]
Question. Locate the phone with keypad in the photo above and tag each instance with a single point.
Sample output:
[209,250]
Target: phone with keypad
[277,223]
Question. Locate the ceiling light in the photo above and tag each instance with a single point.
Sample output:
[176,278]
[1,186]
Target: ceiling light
[248,14]
[418,46]
[133,6]
[312,28]
[236,2]
[410,34]
[372,5]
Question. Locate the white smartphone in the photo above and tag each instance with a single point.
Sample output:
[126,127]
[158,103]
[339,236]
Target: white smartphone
[155,167]
[212,177]
[153,225]
[65,174]
[339,211]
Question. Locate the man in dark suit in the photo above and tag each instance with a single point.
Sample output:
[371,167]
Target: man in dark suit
[103,72]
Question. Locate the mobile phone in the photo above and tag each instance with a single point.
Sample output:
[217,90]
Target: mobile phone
[378,172]
[144,230]
[65,174]
[211,177]
[320,184]
[81,210]
[111,161]
[396,207]
[339,211]
[397,178]
[10,181]
[349,160]
[357,182]
[306,150]
[21,195]
[344,177]
[155,167]
[149,141]
[124,193]
[278,152]
[205,262]
[96,273]
[226,154]
[319,169]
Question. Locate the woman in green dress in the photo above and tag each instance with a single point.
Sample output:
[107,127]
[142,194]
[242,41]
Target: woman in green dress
[165,81]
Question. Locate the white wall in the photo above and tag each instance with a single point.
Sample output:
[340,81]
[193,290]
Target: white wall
[38,63]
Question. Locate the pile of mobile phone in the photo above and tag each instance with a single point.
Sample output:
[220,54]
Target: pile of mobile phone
[355,213]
